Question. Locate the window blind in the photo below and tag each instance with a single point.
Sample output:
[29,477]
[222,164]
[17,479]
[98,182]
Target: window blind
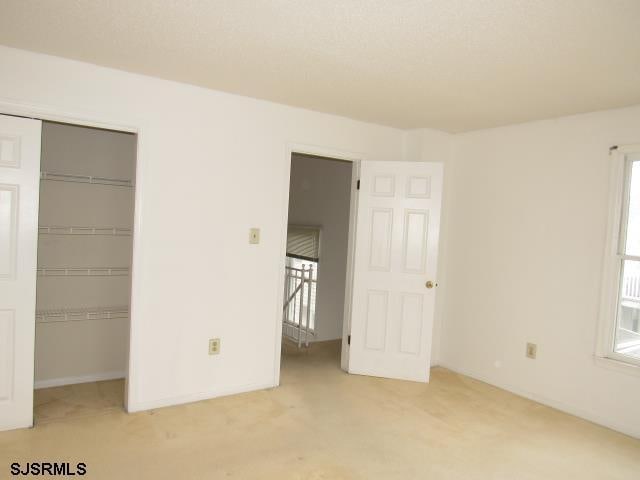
[303,242]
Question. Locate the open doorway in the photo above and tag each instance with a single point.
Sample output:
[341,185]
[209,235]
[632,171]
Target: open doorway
[316,262]
[85,239]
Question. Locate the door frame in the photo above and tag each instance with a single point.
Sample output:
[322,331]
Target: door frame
[335,154]
[56,114]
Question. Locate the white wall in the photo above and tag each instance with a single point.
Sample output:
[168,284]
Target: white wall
[524,262]
[210,166]
[319,195]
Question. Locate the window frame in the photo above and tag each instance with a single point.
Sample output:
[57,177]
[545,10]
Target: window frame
[619,190]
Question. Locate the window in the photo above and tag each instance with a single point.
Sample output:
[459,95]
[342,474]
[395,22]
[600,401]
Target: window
[620,337]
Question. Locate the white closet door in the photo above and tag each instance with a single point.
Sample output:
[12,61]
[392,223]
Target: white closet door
[19,182]
[396,252]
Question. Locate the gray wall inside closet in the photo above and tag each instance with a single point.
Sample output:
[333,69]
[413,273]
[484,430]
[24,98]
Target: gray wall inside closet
[82,321]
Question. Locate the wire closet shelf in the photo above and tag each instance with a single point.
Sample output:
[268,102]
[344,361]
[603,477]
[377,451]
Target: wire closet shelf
[83,271]
[79,314]
[65,177]
[84,230]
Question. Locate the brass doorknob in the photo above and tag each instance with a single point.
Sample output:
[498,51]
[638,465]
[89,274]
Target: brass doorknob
[430,284]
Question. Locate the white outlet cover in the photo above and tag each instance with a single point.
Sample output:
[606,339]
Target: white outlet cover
[214,346]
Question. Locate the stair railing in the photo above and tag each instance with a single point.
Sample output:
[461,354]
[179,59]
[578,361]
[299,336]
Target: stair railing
[298,284]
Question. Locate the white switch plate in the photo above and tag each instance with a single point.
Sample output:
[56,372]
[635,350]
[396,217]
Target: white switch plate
[532,350]
[254,235]
[214,346]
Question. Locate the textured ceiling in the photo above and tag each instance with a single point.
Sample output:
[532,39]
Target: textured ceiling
[454,65]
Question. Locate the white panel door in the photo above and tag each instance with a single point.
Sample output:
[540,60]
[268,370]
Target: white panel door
[19,184]
[396,255]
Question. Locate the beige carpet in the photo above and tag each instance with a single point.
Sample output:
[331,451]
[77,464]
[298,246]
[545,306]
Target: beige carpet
[75,401]
[324,424]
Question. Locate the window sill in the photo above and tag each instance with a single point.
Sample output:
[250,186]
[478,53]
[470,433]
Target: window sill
[617,365]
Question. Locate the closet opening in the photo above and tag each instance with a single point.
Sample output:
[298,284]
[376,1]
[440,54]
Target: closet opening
[85,241]
[316,259]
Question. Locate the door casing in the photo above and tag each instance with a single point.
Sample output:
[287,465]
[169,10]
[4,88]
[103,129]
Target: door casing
[329,153]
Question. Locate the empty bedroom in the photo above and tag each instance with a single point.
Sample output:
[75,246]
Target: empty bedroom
[348,240]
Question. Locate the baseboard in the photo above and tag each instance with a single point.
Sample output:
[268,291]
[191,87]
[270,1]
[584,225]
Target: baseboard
[94,377]
[563,407]
[195,397]
[15,426]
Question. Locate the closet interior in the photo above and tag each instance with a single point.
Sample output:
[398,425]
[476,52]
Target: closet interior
[84,254]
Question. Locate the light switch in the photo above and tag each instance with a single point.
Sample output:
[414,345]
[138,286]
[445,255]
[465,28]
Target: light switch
[254,235]
[532,350]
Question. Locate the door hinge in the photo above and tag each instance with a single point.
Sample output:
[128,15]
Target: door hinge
[348,339]
[358,185]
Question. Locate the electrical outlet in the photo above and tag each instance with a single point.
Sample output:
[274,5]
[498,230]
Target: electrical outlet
[214,346]
[254,235]
[532,350]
